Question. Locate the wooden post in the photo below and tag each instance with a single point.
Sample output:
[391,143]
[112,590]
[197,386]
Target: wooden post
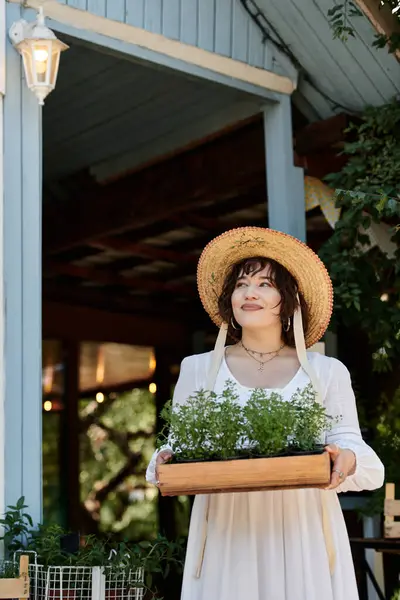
[22,275]
[70,437]
[285,182]
[163,380]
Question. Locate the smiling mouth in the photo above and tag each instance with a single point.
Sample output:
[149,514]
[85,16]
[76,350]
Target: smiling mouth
[251,307]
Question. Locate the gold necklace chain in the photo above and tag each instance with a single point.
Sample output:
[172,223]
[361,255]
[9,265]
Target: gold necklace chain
[273,354]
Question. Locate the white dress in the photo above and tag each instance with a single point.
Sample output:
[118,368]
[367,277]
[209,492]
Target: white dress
[271,545]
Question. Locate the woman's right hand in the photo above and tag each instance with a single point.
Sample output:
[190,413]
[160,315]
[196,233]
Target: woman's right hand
[163,457]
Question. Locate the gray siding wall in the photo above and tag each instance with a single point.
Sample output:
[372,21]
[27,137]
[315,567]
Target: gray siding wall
[220,26]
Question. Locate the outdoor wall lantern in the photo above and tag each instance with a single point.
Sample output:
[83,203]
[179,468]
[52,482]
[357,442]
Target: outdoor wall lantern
[40,50]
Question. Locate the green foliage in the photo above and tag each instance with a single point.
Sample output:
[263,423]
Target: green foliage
[371,175]
[386,444]
[367,280]
[269,422]
[158,558]
[340,16]
[205,425]
[46,541]
[9,570]
[396,595]
[339,19]
[124,428]
[226,423]
[17,526]
[310,419]
[216,426]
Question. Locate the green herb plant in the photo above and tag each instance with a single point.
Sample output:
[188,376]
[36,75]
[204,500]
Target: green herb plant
[189,426]
[216,426]
[226,423]
[309,420]
[17,525]
[9,570]
[268,422]
[157,558]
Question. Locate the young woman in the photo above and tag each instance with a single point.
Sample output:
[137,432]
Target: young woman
[274,296]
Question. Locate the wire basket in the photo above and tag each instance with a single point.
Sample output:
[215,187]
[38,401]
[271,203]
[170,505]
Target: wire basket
[84,583]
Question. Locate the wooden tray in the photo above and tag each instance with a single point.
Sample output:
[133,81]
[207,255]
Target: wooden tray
[245,475]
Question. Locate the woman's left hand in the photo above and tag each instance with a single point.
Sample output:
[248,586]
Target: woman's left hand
[343,464]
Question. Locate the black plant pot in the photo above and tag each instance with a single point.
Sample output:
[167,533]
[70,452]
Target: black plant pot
[236,457]
[191,460]
[274,455]
[297,452]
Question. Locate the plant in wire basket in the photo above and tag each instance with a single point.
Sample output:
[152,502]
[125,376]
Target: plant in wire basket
[9,570]
[17,526]
[162,559]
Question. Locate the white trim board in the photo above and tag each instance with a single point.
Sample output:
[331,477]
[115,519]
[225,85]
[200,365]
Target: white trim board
[162,50]
[2,305]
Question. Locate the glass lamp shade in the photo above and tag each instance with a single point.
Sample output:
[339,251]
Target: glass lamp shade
[41,58]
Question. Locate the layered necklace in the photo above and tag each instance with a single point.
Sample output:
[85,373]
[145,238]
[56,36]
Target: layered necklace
[260,360]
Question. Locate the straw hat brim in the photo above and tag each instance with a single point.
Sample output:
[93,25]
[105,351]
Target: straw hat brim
[219,256]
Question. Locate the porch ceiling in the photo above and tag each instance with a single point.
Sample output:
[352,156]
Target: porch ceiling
[132,244]
[110,114]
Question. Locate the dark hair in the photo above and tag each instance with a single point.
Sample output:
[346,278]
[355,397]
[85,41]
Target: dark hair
[284,282]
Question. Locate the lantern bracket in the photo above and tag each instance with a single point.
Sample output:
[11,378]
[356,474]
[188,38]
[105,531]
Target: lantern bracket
[18,31]
[37,30]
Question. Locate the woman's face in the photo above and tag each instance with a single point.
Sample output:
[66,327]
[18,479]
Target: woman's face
[255,300]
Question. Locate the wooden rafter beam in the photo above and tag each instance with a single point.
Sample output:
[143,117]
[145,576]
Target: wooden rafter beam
[143,250]
[110,277]
[197,221]
[77,323]
[203,176]
[209,219]
[117,300]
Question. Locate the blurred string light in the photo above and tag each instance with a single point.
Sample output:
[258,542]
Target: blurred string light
[152,388]
[152,363]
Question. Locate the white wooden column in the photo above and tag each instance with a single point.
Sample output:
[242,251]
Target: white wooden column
[285,182]
[2,312]
[22,284]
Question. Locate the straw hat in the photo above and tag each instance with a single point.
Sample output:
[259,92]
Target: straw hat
[231,247]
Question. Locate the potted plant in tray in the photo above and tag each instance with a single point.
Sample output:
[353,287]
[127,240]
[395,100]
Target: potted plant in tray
[215,427]
[309,421]
[207,427]
[268,423]
[190,427]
